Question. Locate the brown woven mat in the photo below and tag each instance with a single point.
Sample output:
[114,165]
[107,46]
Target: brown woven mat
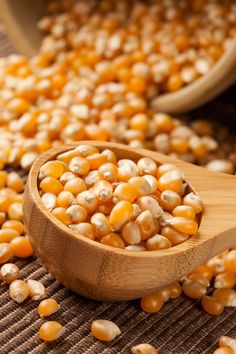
[181,327]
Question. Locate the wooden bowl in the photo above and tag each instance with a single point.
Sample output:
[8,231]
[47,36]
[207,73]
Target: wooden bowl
[20,18]
[102,272]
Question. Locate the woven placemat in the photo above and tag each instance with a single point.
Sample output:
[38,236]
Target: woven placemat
[181,327]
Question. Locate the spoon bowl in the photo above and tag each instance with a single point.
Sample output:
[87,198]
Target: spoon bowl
[102,272]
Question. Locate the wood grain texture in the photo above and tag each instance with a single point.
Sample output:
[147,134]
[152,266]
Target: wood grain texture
[101,272]
[20,18]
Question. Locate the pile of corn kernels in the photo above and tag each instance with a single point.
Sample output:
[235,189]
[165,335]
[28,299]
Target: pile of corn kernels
[96,76]
[137,206]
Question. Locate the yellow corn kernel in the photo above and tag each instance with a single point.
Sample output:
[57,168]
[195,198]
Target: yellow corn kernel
[147,225]
[166,167]
[147,166]
[164,122]
[151,204]
[96,160]
[47,307]
[2,217]
[61,214]
[230,261]
[212,306]
[194,289]
[5,202]
[125,191]
[144,348]
[157,242]
[108,172]
[85,229]
[36,289]
[18,226]
[131,233]
[225,280]
[121,213]
[223,350]
[67,156]
[6,235]
[15,211]
[51,185]
[152,181]
[50,200]
[76,213]
[174,236]
[105,330]
[50,331]
[127,169]
[185,211]
[194,201]
[175,290]
[51,169]
[110,156]
[64,199]
[141,185]
[87,200]
[101,224]
[113,240]
[9,272]
[86,150]
[103,190]
[228,341]
[3,179]
[21,247]
[226,296]
[152,303]
[169,200]
[75,186]
[171,180]
[184,225]
[18,291]
[5,252]
[79,165]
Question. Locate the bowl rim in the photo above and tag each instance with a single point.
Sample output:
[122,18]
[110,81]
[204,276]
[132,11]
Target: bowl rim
[221,72]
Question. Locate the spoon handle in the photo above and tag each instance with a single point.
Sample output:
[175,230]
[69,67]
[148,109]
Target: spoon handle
[218,192]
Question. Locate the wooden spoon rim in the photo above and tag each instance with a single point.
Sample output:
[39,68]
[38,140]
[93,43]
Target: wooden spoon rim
[229,58]
[219,77]
[33,188]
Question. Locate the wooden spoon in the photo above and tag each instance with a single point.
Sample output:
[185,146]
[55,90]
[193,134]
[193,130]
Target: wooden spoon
[101,272]
[21,17]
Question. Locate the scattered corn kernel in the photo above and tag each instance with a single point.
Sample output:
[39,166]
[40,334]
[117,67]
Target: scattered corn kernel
[144,348]
[105,330]
[194,289]
[5,252]
[212,306]
[50,331]
[152,303]
[19,290]
[228,341]
[9,272]
[21,247]
[226,296]
[47,307]
[36,289]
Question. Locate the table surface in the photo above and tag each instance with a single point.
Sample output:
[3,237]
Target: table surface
[181,327]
